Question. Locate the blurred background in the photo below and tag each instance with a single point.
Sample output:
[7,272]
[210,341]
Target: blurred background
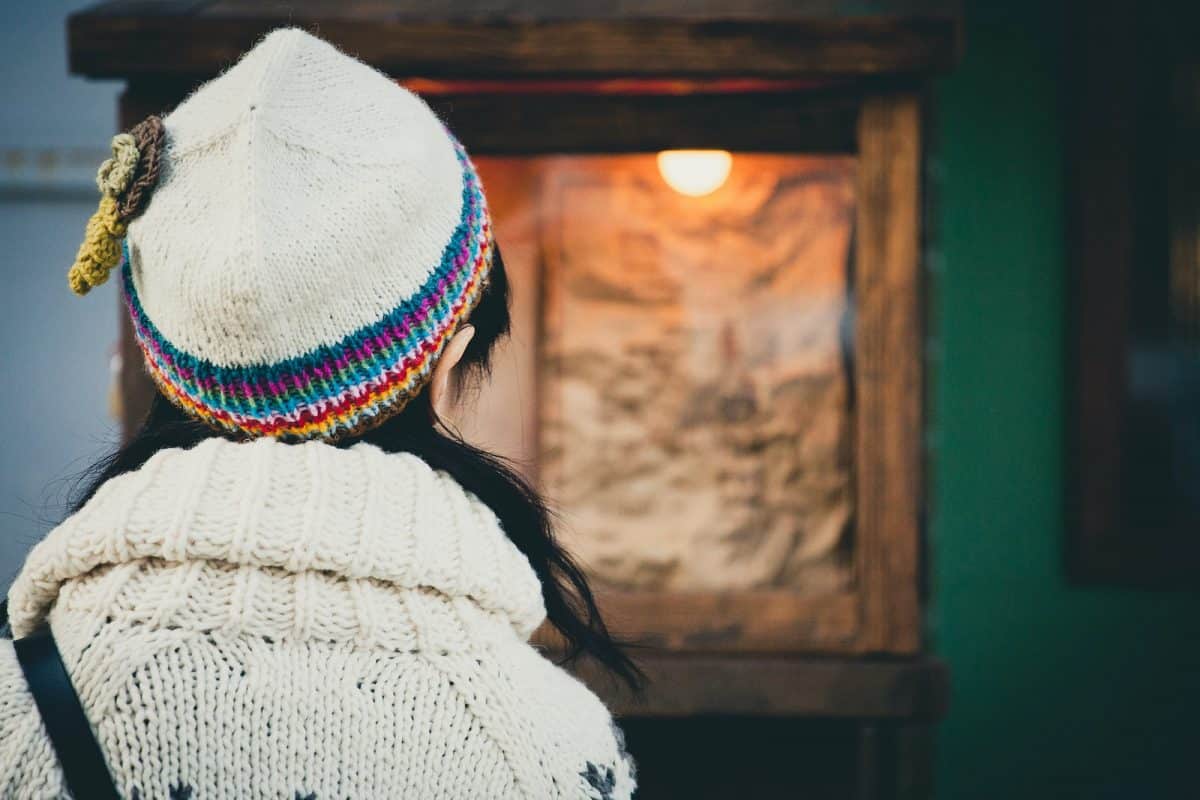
[54,128]
[1037,159]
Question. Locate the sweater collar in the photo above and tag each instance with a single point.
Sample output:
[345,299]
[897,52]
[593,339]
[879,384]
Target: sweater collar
[356,521]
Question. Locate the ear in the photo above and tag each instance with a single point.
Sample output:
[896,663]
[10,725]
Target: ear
[453,353]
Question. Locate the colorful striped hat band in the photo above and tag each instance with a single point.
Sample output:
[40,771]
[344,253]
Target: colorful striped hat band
[297,241]
[338,389]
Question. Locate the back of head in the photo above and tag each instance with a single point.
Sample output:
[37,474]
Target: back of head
[314,237]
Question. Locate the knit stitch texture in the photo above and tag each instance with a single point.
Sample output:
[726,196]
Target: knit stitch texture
[263,620]
[314,238]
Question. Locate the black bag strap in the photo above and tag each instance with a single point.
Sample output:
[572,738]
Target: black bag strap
[66,723]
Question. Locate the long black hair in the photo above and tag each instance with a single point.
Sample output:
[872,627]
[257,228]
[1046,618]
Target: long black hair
[570,605]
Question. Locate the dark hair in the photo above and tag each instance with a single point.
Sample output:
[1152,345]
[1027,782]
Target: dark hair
[570,605]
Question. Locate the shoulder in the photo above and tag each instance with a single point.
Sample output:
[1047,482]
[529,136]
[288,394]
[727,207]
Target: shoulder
[28,768]
[559,737]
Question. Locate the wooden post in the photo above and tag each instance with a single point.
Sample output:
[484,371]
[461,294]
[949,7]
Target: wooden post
[887,350]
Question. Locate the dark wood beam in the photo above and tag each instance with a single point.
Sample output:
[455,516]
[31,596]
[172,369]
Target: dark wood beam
[822,122]
[472,38]
[839,688]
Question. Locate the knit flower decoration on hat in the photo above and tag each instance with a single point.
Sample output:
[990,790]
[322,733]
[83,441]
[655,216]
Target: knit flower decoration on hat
[124,181]
[310,240]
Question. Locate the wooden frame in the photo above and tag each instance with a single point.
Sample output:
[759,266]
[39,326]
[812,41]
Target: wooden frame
[881,614]
[1129,171]
[812,82]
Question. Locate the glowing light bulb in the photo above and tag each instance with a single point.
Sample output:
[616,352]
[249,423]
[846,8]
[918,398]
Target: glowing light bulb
[695,172]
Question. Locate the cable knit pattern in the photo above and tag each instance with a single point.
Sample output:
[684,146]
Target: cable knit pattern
[270,620]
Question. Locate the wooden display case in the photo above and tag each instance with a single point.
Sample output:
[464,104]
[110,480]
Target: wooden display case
[564,106]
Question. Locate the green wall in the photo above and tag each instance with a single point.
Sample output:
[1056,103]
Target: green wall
[1058,691]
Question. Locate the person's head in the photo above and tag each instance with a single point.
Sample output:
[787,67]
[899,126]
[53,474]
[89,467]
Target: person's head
[307,255]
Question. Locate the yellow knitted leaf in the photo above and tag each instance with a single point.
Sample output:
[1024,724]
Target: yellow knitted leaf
[101,248]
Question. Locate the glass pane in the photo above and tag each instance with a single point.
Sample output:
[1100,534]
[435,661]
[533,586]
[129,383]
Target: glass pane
[681,364]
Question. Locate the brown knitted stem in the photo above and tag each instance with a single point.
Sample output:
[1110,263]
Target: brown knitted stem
[150,136]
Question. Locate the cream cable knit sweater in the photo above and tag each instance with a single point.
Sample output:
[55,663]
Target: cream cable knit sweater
[300,621]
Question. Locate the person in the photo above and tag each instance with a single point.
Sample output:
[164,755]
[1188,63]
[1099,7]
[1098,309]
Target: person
[293,581]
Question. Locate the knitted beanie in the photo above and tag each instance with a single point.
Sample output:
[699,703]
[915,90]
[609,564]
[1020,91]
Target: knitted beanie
[305,238]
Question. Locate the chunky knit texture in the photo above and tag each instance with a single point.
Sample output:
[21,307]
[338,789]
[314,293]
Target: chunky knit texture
[282,621]
[314,238]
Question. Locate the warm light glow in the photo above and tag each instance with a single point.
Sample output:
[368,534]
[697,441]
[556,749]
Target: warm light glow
[695,172]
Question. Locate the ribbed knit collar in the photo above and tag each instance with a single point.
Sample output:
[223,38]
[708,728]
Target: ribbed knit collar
[301,530]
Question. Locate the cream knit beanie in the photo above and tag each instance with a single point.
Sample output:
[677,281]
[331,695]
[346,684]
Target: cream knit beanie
[313,238]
